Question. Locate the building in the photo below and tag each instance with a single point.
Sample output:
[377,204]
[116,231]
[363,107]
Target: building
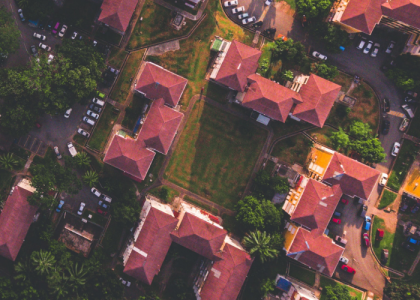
[15,219]
[116,14]
[225,264]
[312,203]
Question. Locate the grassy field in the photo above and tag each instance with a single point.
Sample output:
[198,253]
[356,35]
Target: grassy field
[292,3]
[103,129]
[116,57]
[402,165]
[387,199]
[152,175]
[170,196]
[155,26]
[293,150]
[192,59]
[122,87]
[322,135]
[281,129]
[79,139]
[344,80]
[133,111]
[302,274]
[216,92]
[109,36]
[216,155]
[329,282]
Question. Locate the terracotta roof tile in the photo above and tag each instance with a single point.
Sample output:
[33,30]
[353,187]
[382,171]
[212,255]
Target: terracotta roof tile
[269,98]
[240,62]
[156,82]
[15,220]
[117,13]
[362,14]
[407,11]
[318,96]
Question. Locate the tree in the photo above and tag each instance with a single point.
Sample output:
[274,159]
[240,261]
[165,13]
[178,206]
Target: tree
[267,286]
[370,150]
[43,261]
[332,35]
[402,291]
[280,184]
[7,291]
[313,8]
[82,159]
[272,215]
[250,213]
[77,277]
[287,75]
[339,139]
[90,178]
[405,72]
[23,270]
[7,161]
[9,33]
[325,71]
[289,51]
[259,245]
[360,130]
[338,292]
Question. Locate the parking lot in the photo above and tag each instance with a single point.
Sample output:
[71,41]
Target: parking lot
[72,202]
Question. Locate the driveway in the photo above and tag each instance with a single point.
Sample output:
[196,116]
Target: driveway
[72,202]
[367,274]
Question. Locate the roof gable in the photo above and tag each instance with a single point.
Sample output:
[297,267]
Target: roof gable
[362,14]
[117,13]
[407,11]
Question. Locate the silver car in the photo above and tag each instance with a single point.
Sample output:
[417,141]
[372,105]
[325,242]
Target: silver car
[368,47]
[92,114]
[249,20]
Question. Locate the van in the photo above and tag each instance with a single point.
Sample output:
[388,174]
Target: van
[408,110]
[98,102]
[55,28]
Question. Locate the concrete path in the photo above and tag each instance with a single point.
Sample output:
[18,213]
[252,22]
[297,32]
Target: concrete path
[163,48]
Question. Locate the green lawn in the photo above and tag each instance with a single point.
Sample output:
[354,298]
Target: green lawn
[322,135]
[216,92]
[153,170]
[109,36]
[292,3]
[402,165]
[269,166]
[103,128]
[96,218]
[302,274]
[112,237]
[293,150]
[216,154]
[281,129]
[387,199]
[122,87]
[156,26]
[329,282]
[116,57]
[170,196]
[133,111]
[79,139]
[214,211]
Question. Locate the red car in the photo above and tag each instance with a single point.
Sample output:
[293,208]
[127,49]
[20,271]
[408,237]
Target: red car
[348,269]
[102,208]
[336,220]
[345,201]
[366,239]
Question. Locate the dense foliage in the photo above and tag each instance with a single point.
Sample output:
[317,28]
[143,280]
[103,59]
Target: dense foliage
[406,74]
[402,291]
[9,33]
[313,8]
[260,245]
[265,186]
[289,51]
[331,35]
[338,292]
[324,70]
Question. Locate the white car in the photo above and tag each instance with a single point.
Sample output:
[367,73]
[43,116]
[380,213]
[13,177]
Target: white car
[268,2]
[368,47]
[62,31]
[83,132]
[20,12]
[57,152]
[44,47]
[238,9]
[68,112]
[344,260]
[81,208]
[383,180]
[92,114]
[89,121]
[106,198]
[74,35]
[396,149]
[230,3]
[39,36]
[319,55]
[50,58]
[96,192]
[375,50]
[361,44]
[249,20]
[243,16]
[98,102]
[390,47]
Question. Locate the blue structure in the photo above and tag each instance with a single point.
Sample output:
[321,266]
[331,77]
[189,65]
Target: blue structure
[283,284]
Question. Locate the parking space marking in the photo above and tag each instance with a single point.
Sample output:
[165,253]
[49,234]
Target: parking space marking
[397,114]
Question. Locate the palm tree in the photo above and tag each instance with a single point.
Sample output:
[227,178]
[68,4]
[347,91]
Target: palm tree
[90,178]
[57,281]
[259,244]
[23,269]
[76,277]
[82,160]
[43,261]
[7,161]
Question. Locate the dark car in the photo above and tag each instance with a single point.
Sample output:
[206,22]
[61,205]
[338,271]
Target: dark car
[387,106]
[95,108]
[415,208]
[103,208]
[385,254]
[50,24]
[385,126]
[41,24]
[34,51]
[410,99]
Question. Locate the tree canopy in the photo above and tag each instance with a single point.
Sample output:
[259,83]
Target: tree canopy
[405,74]
[313,8]
[340,139]
[360,130]
[289,51]
[265,186]
[259,244]
[338,292]
[9,33]
[325,71]
[402,291]
[332,35]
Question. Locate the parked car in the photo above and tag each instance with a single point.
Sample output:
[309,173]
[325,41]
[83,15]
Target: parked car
[390,47]
[50,58]
[368,47]
[88,121]
[344,201]
[404,207]
[98,102]
[39,36]
[348,269]
[340,240]
[95,108]
[44,47]
[384,256]
[83,132]
[95,192]
[319,55]
[361,43]
[408,110]
[238,9]
[20,13]
[67,113]
[230,3]
[375,50]
[41,24]
[268,2]
[364,211]
[404,124]
[34,51]
[243,16]
[60,206]
[57,152]
[81,208]
[336,220]
[396,149]
[50,24]
[411,100]
[366,239]
[249,20]
[385,126]
[74,35]
[415,208]
[113,71]
[100,95]
[103,208]
[344,260]
[367,223]
[387,105]
[92,114]
[337,214]
[379,234]
[105,198]
[72,150]
[62,31]
[383,180]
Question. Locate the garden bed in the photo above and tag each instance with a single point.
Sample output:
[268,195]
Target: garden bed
[329,282]
[387,198]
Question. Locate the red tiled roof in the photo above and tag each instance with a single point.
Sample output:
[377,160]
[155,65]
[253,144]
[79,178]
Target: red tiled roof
[407,11]
[318,96]
[154,240]
[199,236]
[316,205]
[15,220]
[323,254]
[130,156]
[362,15]
[160,126]
[354,178]
[156,82]
[117,13]
[227,275]
[269,98]
[240,62]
